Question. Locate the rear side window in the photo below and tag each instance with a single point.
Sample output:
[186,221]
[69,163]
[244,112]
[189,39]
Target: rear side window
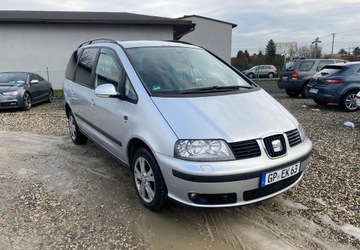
[306,65]
[322,63]
[71,66]
[85,67]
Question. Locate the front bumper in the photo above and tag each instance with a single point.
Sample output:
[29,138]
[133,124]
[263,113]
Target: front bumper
[232,183]
[9,102]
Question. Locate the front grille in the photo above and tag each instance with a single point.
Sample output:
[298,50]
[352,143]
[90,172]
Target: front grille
[270,189]
[293,137]
[268,141]
[214,199]
[245,149]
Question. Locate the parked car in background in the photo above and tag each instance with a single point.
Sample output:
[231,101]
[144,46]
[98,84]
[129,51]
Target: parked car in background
[261,71]
[23,89]
[190,127]
[358,99]
[337,83]
[297,73]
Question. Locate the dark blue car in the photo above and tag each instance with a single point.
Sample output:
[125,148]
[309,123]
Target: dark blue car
[336,83]
[22,89]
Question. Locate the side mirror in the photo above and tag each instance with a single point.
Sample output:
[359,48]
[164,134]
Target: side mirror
[34,81]
[106,90]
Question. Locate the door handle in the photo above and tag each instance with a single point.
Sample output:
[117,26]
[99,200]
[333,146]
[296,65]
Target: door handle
[92,103]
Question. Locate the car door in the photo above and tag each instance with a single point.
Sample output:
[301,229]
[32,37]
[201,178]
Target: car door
[43,88]
[108,113]
[35,88]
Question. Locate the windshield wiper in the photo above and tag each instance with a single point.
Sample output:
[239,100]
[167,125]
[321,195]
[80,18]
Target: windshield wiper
[214,89]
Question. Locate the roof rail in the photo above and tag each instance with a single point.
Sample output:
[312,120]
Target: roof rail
[100,39]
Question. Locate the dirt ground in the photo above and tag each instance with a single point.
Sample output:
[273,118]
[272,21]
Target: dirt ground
[55,195]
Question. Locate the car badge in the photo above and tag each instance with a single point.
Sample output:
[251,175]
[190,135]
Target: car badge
[277,146]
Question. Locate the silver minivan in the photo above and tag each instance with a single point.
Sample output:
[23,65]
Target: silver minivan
[190,127]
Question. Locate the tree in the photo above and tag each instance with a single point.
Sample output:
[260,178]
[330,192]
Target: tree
[356,51]
[305,52]
[342,52]
[248,56]
[241,61]
[270,52]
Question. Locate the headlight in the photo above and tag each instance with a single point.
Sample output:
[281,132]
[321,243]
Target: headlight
[203,150]
[302,132]
[11,93]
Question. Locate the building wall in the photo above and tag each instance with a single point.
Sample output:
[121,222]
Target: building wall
[211,34]
[46,48]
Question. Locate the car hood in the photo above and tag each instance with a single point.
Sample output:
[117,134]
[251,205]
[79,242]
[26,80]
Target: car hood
[7,88]
[230,117]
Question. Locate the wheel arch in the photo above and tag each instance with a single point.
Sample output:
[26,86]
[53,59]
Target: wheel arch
[133,145]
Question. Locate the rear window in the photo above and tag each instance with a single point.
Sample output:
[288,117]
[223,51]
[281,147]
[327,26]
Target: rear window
[290,65]
[322,63]
[332,70]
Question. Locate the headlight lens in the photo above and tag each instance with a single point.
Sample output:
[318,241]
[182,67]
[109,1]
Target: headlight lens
[302,132]
[203,150]
[11,93]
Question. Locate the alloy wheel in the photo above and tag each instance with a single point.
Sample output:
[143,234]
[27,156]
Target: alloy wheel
[144,179]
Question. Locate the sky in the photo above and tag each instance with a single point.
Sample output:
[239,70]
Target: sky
[258,21]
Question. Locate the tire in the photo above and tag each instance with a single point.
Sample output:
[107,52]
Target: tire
[251,75]
[304,91]
[76,136]
[292,93]
[148,181]
[320,102]
[50,95]
[27,102]
[348,101]
[271,75]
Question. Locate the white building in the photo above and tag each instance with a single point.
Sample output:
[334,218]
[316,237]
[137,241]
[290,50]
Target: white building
[42,41]
[212,34]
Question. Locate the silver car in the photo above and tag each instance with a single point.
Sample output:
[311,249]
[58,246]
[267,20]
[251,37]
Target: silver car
[22,89]
[189,127]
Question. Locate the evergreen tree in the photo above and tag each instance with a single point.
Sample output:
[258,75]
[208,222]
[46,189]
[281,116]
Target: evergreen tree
[270,52]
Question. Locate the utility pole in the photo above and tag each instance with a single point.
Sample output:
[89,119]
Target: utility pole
[316,43]
[332,44]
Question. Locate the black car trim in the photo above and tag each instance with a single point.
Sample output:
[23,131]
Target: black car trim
[99,130]
[231,178]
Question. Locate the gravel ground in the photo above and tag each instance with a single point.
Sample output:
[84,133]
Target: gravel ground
[330,188]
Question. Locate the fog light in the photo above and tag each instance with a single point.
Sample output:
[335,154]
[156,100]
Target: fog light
[193,196]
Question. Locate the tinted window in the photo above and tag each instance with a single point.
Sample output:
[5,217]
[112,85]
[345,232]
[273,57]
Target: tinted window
[85,66]
[40,78]
[332,69]
[306,65]
[7,79]
[71,66]
[33,77]
[108,69]
[322,63]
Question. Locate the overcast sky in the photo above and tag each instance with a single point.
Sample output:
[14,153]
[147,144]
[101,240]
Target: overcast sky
[257,21]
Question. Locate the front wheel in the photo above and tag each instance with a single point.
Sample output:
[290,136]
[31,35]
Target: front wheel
[76,136]
[26,101]
[149,183]
[271,75]
[50,96]
[348,101]
[251,75]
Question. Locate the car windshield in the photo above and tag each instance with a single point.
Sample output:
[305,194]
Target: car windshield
[12,78]
[180,70]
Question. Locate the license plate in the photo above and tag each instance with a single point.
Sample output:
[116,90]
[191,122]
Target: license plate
[312,90]
[284,78]
[278,175]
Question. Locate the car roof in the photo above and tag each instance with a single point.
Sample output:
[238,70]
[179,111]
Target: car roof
[150,43]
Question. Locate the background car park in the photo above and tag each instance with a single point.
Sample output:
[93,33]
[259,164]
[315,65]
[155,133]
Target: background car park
[22,89]
[261,71]
[297,74]
[336,83]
